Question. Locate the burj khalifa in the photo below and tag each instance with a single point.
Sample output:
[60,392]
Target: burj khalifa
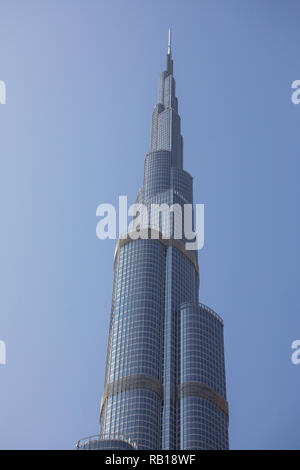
[165,382]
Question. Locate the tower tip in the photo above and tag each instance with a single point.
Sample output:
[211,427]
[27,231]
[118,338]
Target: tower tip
[169,41]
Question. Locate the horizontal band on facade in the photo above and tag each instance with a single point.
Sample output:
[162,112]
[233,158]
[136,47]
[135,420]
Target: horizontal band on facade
[133,382]
[198,389]
[150,234]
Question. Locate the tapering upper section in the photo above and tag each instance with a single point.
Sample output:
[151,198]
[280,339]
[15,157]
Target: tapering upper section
[165,132]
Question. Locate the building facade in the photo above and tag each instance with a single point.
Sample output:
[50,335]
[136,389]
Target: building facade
[165,372]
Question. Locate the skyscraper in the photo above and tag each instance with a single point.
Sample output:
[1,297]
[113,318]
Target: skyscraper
[165,373]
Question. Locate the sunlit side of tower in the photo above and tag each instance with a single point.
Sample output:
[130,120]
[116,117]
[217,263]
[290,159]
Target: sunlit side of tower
[165,373]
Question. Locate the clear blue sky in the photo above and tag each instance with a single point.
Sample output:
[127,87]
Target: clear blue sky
[81,82]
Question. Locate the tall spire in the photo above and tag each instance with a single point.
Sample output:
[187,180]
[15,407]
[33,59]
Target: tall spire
[169,55]
[169,42]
